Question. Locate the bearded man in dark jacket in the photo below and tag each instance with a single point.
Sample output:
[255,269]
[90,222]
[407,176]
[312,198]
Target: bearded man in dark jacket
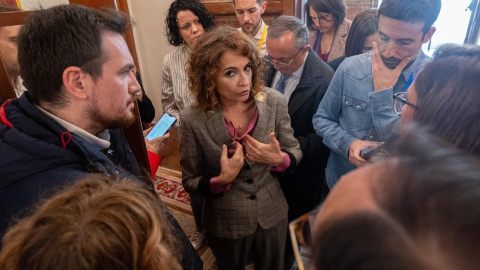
[81,81]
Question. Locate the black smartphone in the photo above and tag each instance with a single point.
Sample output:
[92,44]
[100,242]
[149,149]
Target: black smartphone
[368,152]
[161,127]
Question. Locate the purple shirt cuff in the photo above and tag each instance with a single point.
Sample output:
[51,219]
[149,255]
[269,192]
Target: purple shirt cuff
[218,188]
[282,166]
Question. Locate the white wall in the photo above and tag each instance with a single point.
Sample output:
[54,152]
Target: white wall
[35,4]
[151,44]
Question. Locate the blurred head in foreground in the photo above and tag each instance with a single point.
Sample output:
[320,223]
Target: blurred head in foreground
[98,223]
[417,210]
[445,96]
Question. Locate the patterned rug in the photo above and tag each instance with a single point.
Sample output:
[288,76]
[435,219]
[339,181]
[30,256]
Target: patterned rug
[172,192]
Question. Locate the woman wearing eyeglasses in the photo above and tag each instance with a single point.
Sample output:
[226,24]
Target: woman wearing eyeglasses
[363,31]
[328,27]
[445,95]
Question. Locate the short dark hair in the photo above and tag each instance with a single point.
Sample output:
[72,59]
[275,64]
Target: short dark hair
[66,35]
[338,9]
[430,196]
[172,31]
[412,11]
[364,25]
[448,94]
[4,7]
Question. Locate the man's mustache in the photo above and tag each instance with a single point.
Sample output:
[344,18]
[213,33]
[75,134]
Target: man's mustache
[391,59]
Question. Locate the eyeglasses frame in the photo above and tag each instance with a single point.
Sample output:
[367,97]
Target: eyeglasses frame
[404,101]
[282,63]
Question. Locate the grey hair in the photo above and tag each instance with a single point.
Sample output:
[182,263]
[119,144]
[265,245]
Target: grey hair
[284,24]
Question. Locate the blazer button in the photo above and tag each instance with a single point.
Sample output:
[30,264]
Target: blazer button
[249,181]
[252,197]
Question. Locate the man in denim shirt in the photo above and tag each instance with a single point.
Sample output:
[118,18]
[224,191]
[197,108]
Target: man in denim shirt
[357,109]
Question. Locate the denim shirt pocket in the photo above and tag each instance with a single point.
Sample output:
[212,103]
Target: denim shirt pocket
[353,111]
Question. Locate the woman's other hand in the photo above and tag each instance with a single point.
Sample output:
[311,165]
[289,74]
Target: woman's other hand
[156,145]
[264,153]
[230,166]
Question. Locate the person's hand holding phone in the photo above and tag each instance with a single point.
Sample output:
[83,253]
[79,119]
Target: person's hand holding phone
[155,145]
[161,127]
[354,152]
[368,152]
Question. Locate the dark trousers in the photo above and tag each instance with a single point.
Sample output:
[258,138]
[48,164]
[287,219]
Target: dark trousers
[196,202]
[266,247]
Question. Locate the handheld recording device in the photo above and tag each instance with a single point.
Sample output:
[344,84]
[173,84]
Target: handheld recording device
[161,127]
[368,152]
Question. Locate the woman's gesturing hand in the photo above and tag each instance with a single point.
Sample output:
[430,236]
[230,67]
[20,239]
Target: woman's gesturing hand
[230,166]
[264,153]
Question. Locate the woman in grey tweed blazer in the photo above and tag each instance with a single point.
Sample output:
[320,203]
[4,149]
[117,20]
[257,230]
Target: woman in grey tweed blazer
[234,142]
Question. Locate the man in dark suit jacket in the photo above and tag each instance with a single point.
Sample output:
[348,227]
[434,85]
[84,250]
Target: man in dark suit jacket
[296,71]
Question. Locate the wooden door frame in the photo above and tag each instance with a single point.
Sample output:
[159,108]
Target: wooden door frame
[9,19]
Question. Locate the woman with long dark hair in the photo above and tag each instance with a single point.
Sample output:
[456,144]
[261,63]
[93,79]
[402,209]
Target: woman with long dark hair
[363,32]
[444,97]
[328,27]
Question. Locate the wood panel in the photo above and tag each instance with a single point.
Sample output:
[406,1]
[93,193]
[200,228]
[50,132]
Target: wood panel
[224,12]
[9,19]
[171,152]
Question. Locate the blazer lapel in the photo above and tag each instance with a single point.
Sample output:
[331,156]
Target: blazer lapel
[339,40]
[264,114]
[301,94]
[216,127]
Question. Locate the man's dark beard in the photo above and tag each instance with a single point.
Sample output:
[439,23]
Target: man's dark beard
[393,62]
[252,25]
[109,123]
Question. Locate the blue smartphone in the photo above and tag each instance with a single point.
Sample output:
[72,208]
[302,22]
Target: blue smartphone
[161,127]
[368,152]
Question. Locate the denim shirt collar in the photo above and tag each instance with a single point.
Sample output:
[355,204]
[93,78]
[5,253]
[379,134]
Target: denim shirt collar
[416,66]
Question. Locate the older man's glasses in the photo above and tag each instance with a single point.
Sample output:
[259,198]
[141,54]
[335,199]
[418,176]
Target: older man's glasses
[281,62]
[400,100]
